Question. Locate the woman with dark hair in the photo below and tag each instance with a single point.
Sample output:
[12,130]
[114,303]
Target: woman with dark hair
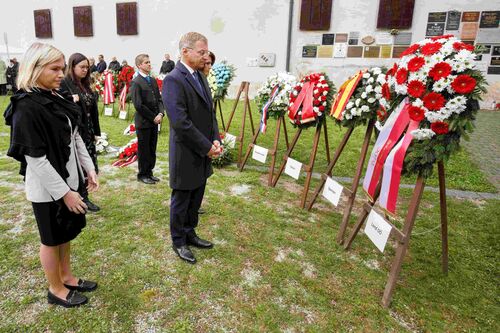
[44,137]
[77,84]
[209,64]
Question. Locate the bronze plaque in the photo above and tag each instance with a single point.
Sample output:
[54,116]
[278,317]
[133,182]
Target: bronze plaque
[82,21]
[437,17]
[126,18]
[341,38]
[495,61]
[309,51]
[43,23]
[371,52]
[385,51]
[489,19]
[395,14]
[470,16]
[355,51]
[397,50]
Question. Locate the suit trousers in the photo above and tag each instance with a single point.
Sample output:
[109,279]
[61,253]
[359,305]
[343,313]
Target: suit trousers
[184,206]
[147,138]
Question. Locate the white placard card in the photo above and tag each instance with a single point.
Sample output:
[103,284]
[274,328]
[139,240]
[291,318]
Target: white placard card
[293,168]
[259,153]
[231,140]
[108,111]
[332,191]
[377,229]
[123,115]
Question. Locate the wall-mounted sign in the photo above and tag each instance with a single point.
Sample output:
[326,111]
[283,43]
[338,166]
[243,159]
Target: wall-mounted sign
[43,23]
[437,17]
[470,16]
[328,39]
[489,19]
[309,51]
[434,29]
[453,20]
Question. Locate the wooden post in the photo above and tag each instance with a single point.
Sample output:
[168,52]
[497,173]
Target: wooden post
[288,152]
[242,86]
[403,246]
[309,168]
[218,106]
[444,218]
[355,182]
[327,146]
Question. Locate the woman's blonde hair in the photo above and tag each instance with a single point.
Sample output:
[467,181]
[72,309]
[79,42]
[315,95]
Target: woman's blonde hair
[34,60]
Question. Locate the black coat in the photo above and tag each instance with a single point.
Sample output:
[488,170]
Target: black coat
[167,66]
[101,66]
[115,66]
[193,128]
[147,102]
[88,114]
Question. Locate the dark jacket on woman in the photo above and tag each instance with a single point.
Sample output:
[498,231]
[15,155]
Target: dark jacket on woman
[68,87]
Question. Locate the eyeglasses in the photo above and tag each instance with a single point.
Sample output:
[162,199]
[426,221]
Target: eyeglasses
[201,52]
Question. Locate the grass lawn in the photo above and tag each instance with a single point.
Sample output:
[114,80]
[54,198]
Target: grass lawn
[275,267]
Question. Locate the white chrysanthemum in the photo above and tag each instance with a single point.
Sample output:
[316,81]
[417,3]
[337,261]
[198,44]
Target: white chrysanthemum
[435,116]
[418,102]
[401,89]
[348,116]
[349,105]
[369,88]
[381,79]
[378,89]
[376,70]
[439,85]
[365,108]
[370,80]
[366,75]
[357,102]
[371,100]
[422,134]
[364,95]
[378,125]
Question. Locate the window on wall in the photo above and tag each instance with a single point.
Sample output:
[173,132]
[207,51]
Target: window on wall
[315,14]
[395,14]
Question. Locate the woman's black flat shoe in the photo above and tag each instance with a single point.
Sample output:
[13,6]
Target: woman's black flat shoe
[83,286]
[73,299]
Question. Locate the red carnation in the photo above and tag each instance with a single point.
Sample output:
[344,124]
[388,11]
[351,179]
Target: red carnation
[392,71]
[441,37]
[440,70]
[416,113]
[316,102]
[431,48]
[401,76]
[416,88]
[439,127]
[464,84]
[434,101]
[462,46]
[415,64]
[323,98]
[322,108]
[386,92]
[412,49]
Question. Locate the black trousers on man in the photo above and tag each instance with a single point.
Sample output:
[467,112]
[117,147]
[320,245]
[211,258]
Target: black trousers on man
[184,206]
[147,138]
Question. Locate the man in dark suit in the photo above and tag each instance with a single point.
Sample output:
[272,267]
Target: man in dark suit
[194,140]
[101,65]
[167,65]
[149,113]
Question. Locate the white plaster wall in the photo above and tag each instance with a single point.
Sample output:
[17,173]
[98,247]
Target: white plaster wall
[361,15]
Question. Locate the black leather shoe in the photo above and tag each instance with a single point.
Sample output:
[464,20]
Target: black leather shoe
[83,286]
[201,211]
[73,299]
[185,253]
[91,207]
[155,179]
[146,180]
[200,243]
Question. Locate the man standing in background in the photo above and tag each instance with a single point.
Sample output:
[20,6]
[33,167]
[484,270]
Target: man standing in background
[101,65]
[167,65]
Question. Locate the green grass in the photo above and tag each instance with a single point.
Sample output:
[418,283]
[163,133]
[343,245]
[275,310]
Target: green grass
[275,267]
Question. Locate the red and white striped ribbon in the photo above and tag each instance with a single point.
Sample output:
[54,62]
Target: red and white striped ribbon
[123,98]
[109,93]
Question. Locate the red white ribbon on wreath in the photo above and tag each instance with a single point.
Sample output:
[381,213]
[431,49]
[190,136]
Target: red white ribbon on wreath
[311,96]
[109,93]
[123,162]
[123,98]
[265,108]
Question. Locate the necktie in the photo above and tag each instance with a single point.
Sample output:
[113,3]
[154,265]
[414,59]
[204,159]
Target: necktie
[198,82]
[148,78]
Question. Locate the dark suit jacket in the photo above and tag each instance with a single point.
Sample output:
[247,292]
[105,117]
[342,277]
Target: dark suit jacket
[147,102]
[167,66]
[101,66]
[193,128]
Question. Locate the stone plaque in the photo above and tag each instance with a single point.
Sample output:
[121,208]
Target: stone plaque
[437,17]
[385,51]
[495,61]
[126,18]
[470,16]
[371,52]
[434,29]
[341,38]
[328,39]
[82,21]
[489,19]
[43,23]
[493,70]
[403,38]
[309,51]
[355,51]
[469,31]
[397,50]
[453,21]
[325,51]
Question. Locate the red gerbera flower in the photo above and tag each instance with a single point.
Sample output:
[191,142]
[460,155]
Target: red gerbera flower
[392,71]
[415,64]
[434,101]
[464,84]
[439,127]
[412,49]
[431,48]
[415,88]
[416,113]
[441,37]
[386,92]
[462,46]
[401,76]
[440,70]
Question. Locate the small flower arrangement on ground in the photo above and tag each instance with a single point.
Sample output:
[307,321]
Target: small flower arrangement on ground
[364,105]
[130,130]
[443,85]
[274,96]
[309,99]
[219,79]
[127,154]
[226,157]
[102,143]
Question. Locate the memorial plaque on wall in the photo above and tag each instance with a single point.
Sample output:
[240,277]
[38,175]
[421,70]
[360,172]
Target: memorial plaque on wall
[385,51]
[325,51]
[353,41]
[355,51]
[496,51]
[495,61]
[488,36]
[126,18]
[453,21]
[397,50]
[328,39]
[403,38]
[489,19]
[470,16]
[341,38]
[395,14]
[309,51]
[436,17]
[43,23]
[434,29]
[469,31]
[82,21]
[371,52]
[494,70]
